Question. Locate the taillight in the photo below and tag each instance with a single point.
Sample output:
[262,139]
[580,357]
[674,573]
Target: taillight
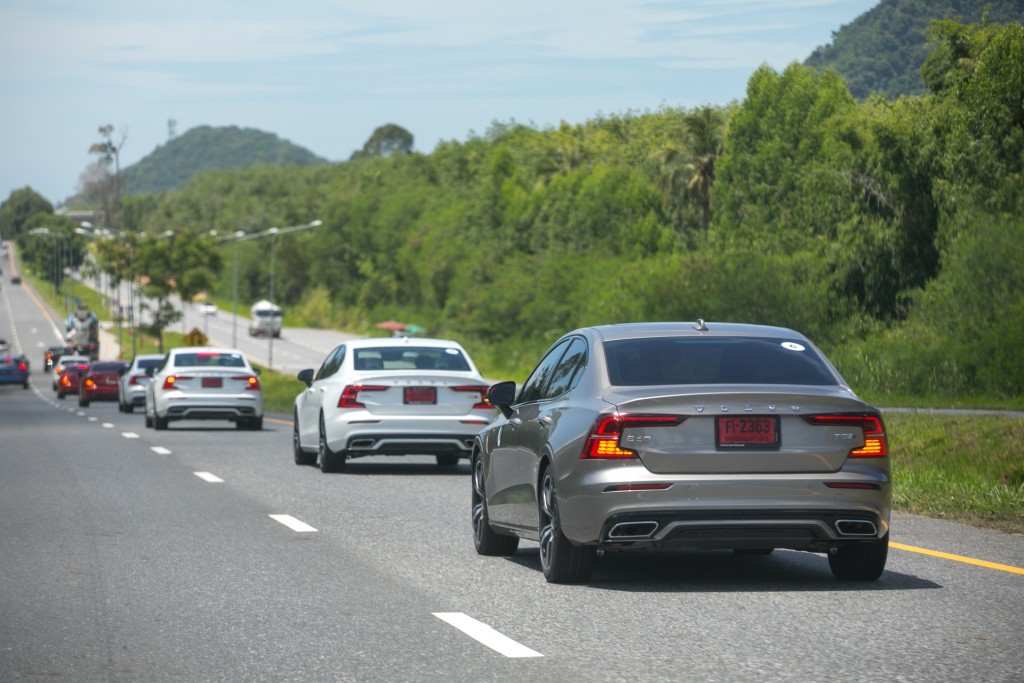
[22,366]
[603,441]
[252,380]
[65,380]
[135,379]
[89,383]
[481,404]
[350,394]
[874,432]
[171,379]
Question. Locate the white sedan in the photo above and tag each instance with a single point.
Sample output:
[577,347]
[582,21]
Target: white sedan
[204,383]
[397,396]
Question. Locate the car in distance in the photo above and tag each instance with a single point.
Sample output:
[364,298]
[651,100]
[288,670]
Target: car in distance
[395,396]
[683,435]
[99,383]
[72,369]
[204,383]
[207,308]
[14,370]
[131,390]
[71,359]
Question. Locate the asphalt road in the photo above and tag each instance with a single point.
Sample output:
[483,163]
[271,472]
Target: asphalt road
[128,554]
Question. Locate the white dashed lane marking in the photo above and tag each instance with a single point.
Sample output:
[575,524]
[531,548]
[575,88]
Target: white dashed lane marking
[160,450]
[129,435]
[482,633]
[206,476]
[292,523]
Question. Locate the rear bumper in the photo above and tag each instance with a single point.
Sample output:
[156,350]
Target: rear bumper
[797,511]
[228,407]
[422,435]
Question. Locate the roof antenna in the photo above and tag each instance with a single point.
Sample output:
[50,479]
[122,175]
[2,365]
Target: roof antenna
[700,326]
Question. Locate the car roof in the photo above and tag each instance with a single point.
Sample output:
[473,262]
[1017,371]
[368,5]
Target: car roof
[401,341]
[697,328]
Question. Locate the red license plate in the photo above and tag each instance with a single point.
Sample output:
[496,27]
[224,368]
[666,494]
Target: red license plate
[749,431]
[421,395]
[212,382]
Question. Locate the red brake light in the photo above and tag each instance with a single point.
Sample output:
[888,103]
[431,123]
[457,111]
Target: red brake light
[875,445]
[254,382]
[350,394]
[481,404]
[89,383]
[603,441]
[135,379]
[22,366]
[171,379]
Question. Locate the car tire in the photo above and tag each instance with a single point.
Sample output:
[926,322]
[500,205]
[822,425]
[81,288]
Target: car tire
[447,460]
[159,422]
[328,460]
[487,541]
[129,408]
[82,403]
[859,561]
[561,561]
[301,456]
[256,424]
[60,395]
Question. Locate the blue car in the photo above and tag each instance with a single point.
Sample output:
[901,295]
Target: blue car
[14,370]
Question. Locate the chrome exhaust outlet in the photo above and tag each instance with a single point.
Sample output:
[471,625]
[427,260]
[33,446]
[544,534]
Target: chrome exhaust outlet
[856,527]
[362,443]
[625,531]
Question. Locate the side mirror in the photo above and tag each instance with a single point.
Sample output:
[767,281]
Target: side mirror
[306,376]
[502,395]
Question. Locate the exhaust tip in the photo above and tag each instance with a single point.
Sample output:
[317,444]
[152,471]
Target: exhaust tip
[856,527]
[632,530]
[362,443]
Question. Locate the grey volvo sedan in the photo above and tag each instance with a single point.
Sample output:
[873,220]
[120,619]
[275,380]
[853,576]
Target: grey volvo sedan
[683,435]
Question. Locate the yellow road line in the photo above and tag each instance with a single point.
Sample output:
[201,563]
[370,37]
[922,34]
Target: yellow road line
[958,558]
[278,422]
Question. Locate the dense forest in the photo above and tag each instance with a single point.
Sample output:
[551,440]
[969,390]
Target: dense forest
[889,231]
[882,50]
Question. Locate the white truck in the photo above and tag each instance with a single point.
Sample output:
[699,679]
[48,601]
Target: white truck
[266,319]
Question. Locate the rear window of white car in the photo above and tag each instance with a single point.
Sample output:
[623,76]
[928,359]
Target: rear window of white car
[211,359]
[715,360]
[410,358]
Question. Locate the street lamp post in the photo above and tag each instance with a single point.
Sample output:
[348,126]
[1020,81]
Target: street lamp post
[240,236]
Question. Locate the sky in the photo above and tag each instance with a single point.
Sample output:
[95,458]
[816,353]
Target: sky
[324,74]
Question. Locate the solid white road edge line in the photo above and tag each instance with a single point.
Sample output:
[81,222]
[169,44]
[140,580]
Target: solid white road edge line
[292,523]
[486,635]
[206,476]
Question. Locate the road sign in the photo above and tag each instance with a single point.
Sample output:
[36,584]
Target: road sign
[196,337]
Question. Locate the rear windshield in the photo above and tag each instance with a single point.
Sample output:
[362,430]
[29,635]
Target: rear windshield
[410,358]
[209,359]
[703,360]
[268,314]
[106,367]
[150,363]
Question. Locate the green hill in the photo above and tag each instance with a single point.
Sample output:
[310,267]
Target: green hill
[170,166]
[882,50]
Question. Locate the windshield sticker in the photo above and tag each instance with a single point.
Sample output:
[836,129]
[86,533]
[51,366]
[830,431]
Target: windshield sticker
[793,346]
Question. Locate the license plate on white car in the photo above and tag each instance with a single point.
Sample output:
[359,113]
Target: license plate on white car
[420,395]
[212,382]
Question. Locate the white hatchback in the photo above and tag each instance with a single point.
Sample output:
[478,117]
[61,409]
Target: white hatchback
[204,383]
[390,396]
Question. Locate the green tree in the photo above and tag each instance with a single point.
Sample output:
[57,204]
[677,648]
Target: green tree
[387,140]
[18,213]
